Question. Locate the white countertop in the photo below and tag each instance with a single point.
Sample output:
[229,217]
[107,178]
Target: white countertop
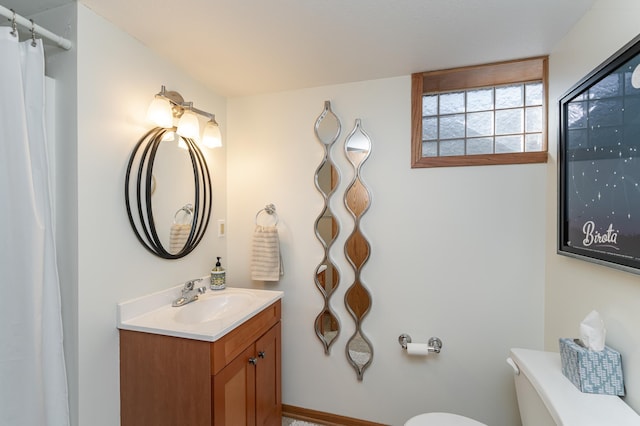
[154,314]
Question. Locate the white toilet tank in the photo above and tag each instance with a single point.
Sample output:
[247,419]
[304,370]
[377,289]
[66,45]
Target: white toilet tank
[547,398]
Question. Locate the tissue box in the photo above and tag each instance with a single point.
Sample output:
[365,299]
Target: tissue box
[591,371]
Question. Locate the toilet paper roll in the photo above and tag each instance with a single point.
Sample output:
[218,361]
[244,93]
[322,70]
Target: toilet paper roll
[418,349]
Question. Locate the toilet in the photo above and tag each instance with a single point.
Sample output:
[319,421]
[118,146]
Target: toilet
[441,419]
[547,398]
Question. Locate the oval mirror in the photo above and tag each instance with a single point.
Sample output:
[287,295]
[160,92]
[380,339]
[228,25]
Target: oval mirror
[168,193]
[173,193]
[327,129]
[357,298]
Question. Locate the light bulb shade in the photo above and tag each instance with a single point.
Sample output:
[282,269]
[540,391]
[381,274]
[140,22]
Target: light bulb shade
[188,126]
[211,137]
[160,113]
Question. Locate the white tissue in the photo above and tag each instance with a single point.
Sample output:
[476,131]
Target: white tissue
[418,349]
[592,332]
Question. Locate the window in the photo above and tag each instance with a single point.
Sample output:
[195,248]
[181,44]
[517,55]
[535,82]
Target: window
[480,115]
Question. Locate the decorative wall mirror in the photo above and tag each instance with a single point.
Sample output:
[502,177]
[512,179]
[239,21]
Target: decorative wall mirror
[357,249]
[327,129]
[168,193]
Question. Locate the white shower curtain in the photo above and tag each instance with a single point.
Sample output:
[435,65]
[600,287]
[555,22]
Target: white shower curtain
[33,387]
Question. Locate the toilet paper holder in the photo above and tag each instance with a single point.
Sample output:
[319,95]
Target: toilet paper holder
[434,343]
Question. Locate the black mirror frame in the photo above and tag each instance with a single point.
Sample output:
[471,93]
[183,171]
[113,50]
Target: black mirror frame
[622,251]
[143,157]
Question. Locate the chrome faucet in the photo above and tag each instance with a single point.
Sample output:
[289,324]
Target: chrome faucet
[189,293]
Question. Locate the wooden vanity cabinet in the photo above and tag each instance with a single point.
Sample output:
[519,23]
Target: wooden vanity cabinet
[233,381]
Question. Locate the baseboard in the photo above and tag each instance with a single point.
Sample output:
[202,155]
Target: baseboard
[322,418]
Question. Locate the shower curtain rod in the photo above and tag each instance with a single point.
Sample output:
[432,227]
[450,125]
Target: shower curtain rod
[21,20]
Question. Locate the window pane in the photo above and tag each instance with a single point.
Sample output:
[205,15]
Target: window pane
[451,103]
[533,119]
[430,149]
[509,96]
[480,124]
[509,121]
[505,144]
[479,146]
[632,132]
[480,99]
[533,93]
[576,115]
[454,147]
[430,128]
[628,87]
[452,126]
[605,137]
[606,88]
[577,139]
[429,105]
[606,113]
[631,109]
[533,142]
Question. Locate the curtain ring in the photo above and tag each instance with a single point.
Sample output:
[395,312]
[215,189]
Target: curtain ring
[14,24]
[33,33]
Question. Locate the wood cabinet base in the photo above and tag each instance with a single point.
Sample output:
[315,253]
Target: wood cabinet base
[169,381]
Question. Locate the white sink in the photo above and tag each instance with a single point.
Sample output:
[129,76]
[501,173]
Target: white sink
[213,315]
[213,305]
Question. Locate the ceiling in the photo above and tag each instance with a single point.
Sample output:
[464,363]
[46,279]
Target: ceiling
[246,47]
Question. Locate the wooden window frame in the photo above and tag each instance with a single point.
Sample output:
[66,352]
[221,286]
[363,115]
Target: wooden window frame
[472,77]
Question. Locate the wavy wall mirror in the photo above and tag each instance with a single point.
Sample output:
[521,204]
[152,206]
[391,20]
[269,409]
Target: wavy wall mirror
[168,193]
[357,249]
[327,129]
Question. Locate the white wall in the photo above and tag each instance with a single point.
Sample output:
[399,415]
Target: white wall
[456,253]
[117,77]
[575,287]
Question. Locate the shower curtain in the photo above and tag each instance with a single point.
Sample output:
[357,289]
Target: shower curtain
[33,387]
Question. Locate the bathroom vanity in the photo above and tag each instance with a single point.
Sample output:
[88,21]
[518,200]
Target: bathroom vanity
[216,362]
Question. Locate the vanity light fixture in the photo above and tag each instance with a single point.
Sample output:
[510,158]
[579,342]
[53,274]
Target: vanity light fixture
[188,126]
[159,112]
[211,137]
[167,105]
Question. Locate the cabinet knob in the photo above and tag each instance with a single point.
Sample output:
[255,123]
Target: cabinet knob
[253,361]
[261,354]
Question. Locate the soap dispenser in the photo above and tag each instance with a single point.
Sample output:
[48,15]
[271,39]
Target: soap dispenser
[218,279]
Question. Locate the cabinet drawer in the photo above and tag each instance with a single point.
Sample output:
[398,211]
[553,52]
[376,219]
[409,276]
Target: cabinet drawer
[225,349]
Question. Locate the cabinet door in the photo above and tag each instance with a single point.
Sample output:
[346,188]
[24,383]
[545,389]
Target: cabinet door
[234,394]
[268,382]
[164,381]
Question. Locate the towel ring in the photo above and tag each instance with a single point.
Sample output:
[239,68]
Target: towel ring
[270,209]
[188,210]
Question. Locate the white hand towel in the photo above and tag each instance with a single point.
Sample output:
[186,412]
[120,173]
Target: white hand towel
[178,237]
[266,262]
